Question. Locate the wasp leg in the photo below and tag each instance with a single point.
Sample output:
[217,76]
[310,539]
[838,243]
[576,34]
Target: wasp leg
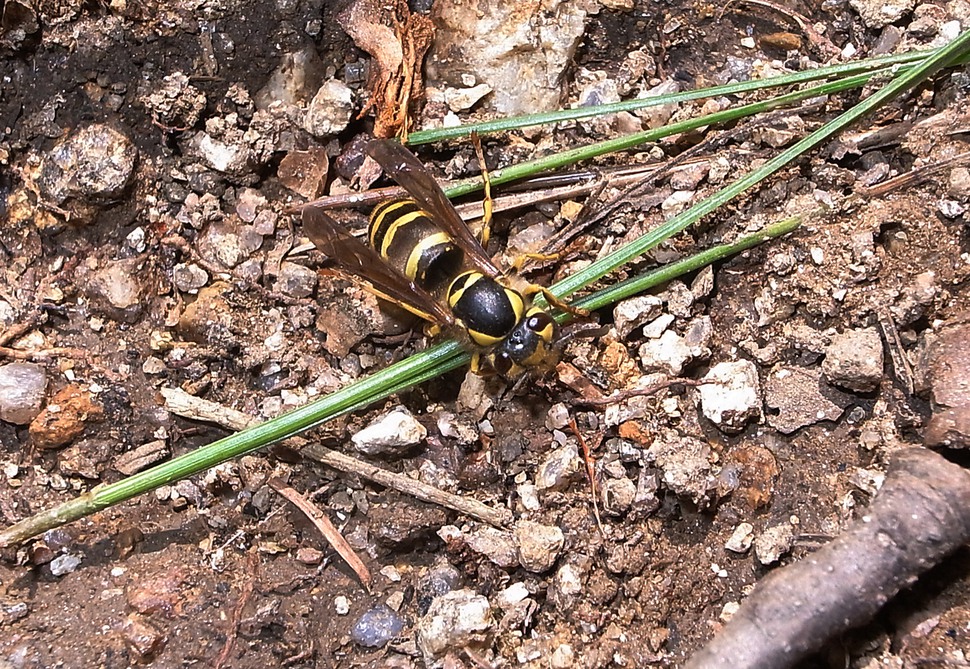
[476,364]
[521,260]
[534,289]
[486,230]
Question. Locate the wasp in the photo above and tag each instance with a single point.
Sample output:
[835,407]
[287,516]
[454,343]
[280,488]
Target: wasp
[421,256]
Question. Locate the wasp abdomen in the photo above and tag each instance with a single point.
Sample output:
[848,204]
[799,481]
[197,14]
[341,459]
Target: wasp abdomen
[404,235]
[488,309]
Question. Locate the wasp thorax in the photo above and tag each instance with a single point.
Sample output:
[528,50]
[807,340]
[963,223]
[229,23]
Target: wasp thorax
[486,308]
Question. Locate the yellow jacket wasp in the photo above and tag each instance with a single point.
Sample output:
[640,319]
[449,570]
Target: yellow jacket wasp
[423,257]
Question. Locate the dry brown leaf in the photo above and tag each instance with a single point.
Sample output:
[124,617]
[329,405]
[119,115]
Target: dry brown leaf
[397,41]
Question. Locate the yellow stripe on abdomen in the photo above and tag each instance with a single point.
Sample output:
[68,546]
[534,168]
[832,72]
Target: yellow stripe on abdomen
[422,247]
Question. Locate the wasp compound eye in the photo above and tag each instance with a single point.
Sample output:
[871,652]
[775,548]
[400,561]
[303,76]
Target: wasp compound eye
[539,322]
[502,363]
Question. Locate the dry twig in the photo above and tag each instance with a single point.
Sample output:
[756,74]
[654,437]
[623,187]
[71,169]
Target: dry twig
[921,514]
[326,528]
[183,404]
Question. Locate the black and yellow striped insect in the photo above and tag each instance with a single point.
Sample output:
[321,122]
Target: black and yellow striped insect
[423,257]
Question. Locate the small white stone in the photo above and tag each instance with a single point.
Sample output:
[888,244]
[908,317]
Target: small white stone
[453,620]
[538,545]
[728,611]
[390,433]
[741,538]
[731,395]
[513,594]
[330,110]
[341,605]
[773,543]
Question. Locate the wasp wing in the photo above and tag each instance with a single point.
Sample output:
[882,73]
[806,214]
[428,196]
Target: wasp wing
[404,167]
[360,263]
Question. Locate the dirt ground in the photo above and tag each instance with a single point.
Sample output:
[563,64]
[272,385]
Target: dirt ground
[168,266]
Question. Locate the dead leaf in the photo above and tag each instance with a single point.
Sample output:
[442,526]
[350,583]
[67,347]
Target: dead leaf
[398,41]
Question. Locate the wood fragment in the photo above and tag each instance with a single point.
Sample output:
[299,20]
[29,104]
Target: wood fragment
[915,176]
[624,395]
[921,514]
[590,474]
[249,586]
[326,528]
[901,366]
[44,354]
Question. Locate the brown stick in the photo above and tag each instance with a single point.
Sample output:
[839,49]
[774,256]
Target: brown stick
[326,528]
[921,514]
[182,403]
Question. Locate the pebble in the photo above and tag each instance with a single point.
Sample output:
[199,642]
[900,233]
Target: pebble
[731,395]
[538,545]
[442,578]
[562,657]
[915,298]
[330,110]
[311,556]
[655,328]
[670,353]
[568,581]
[404,521]
[773,543]
[461,99]
[618,495]
[958,185]
[688,178]
[208,319]
[951,208]
[304,171]
[741,538]
[557,418]
[685,463]
[64,418]
[948,377]
[854,360]
[117,290]
[390,433]
[226,156]
[176,104]
[22,389]
[794,394]
[144,641]
[512,595]
[460,428]
[84,459]
[703,283]
[294,80]
[7,314]
[630,314]
[296,280]
[521,61]
[188,278]
[377,626]
[679,299]
[228,245]
[454,620]
[94,162]
[558,469]
[879,13]
[64,564]
[497,545]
